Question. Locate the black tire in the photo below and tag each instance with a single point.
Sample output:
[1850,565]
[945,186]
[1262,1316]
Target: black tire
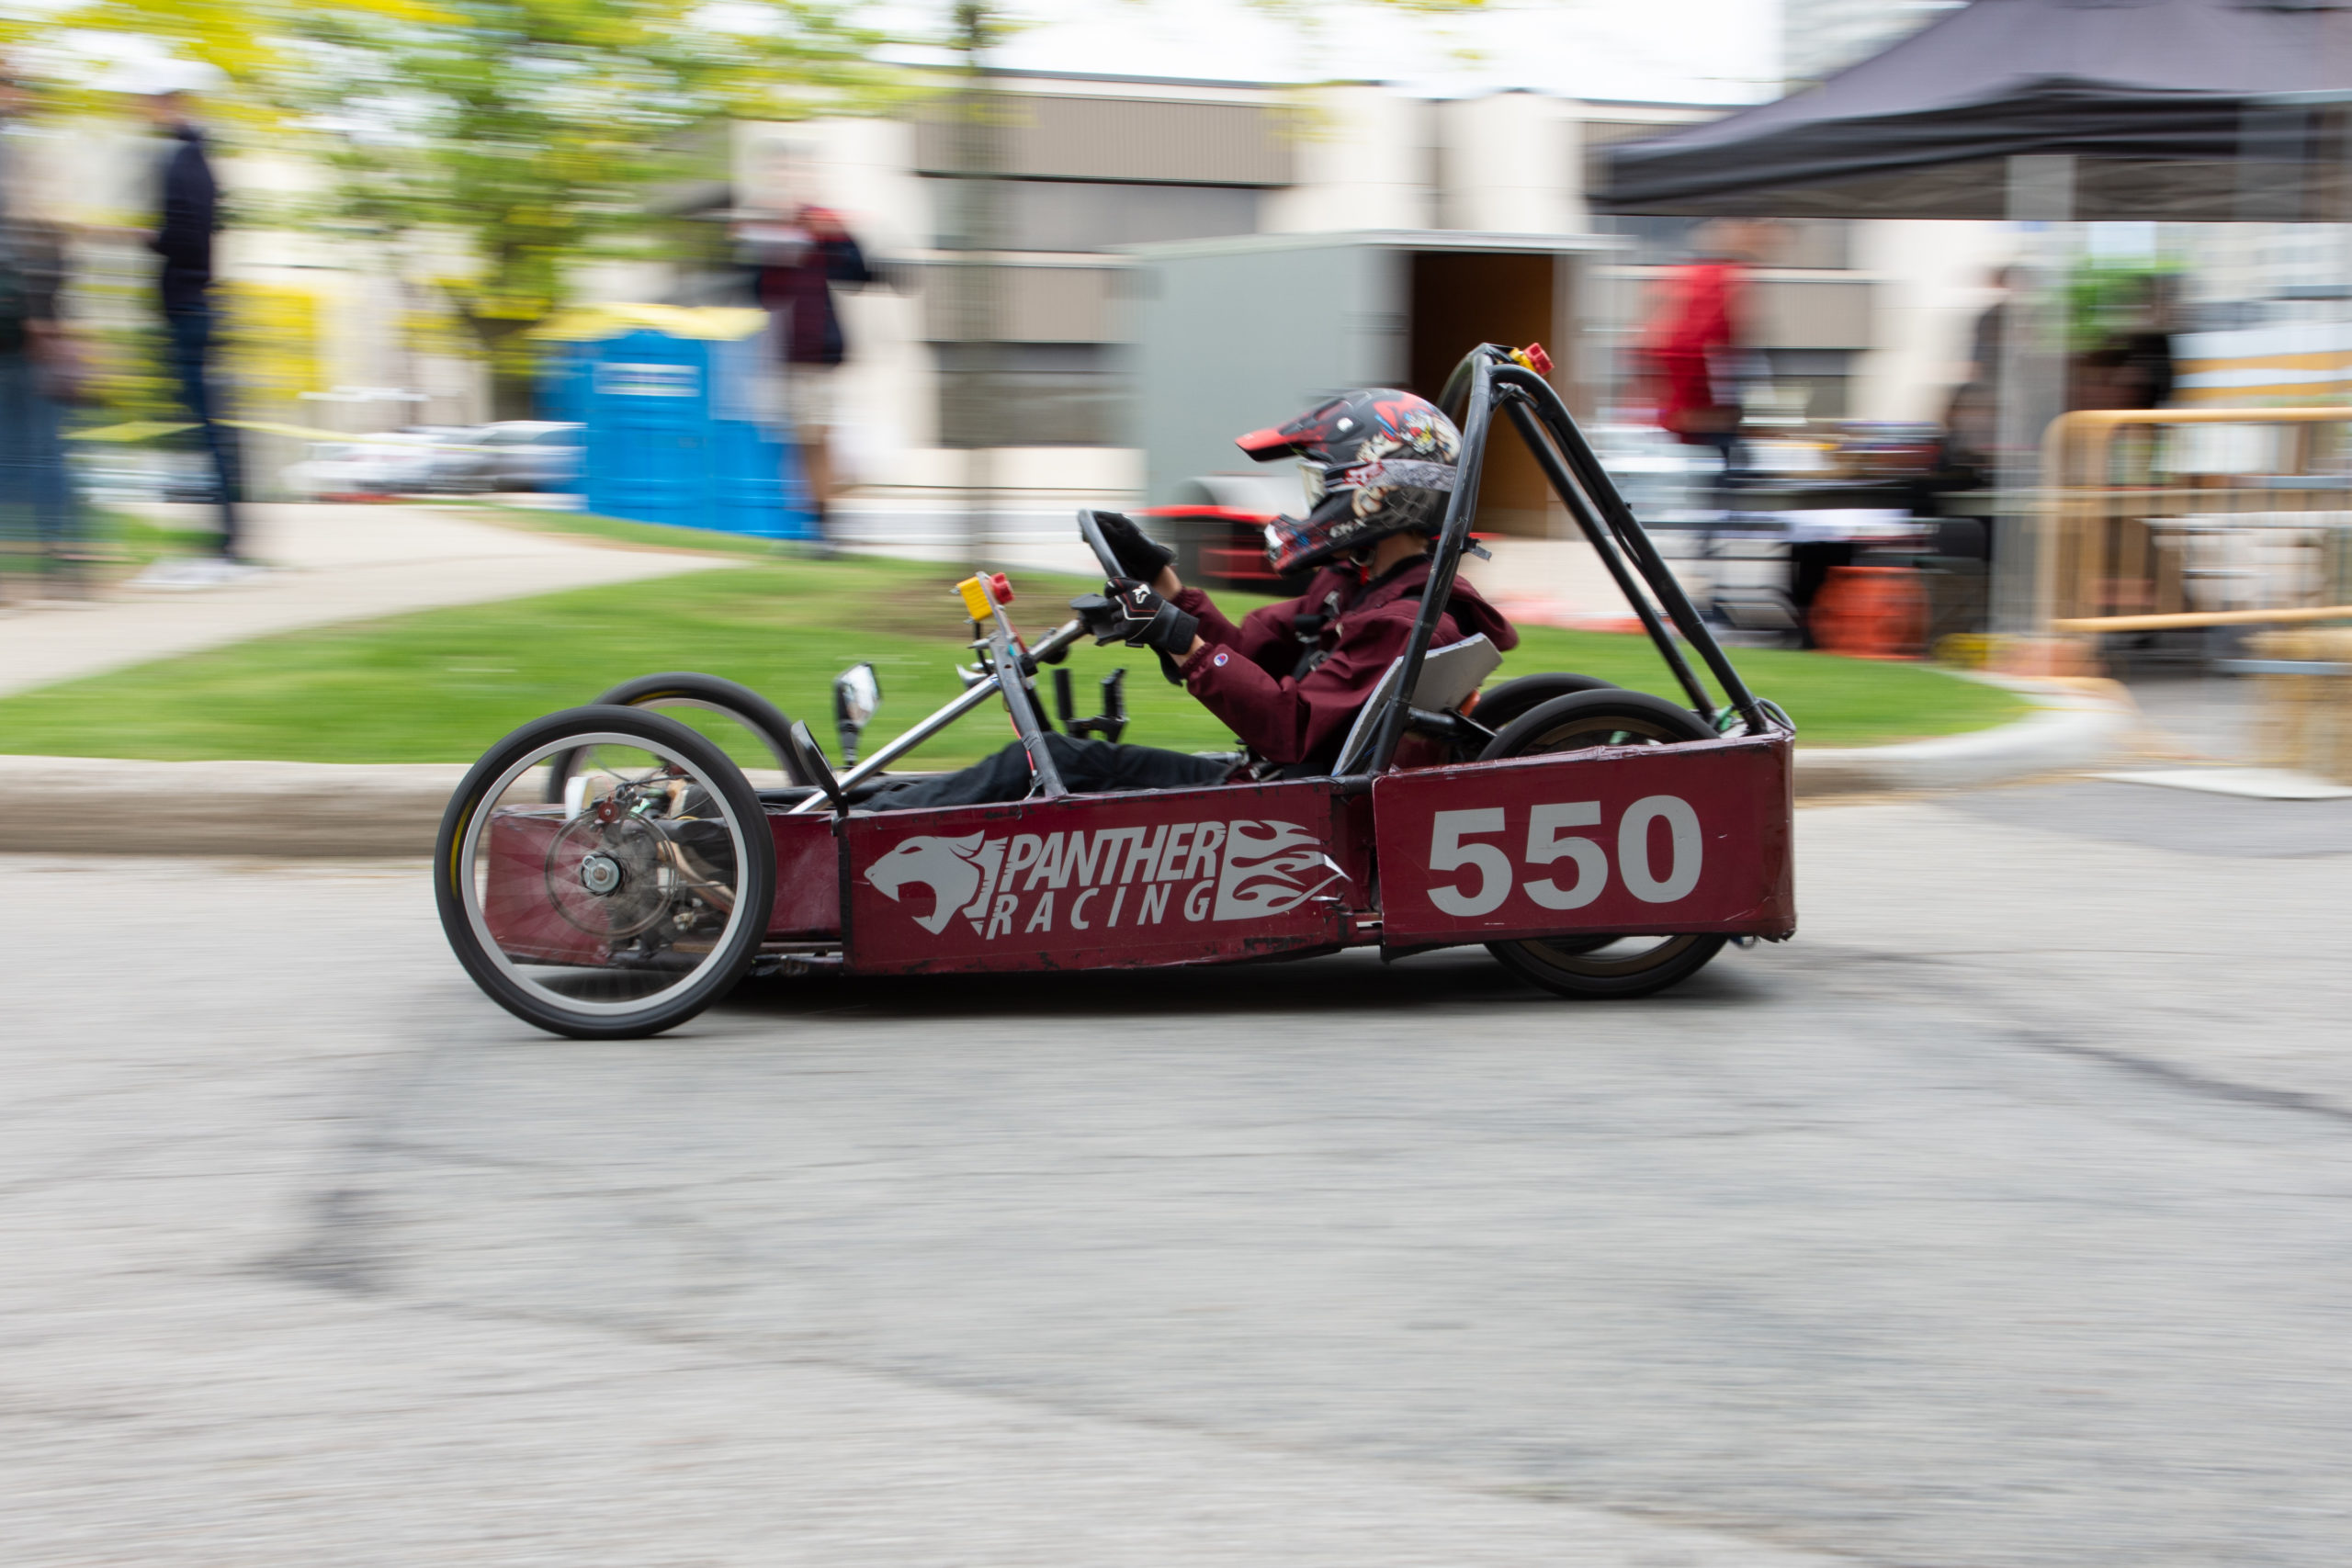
[685,862]
[686,689]
[1498,706]
[1610,717]
[1600,966]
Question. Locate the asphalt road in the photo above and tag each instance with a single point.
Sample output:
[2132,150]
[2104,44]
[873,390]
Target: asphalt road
[2004,1217]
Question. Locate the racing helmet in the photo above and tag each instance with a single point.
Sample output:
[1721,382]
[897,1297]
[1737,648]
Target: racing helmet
[1377,462]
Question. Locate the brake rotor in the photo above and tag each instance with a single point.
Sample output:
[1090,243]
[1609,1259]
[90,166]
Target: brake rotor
[608,879]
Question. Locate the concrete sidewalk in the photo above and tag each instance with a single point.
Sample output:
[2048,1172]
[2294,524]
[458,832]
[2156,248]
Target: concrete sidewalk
[335,563]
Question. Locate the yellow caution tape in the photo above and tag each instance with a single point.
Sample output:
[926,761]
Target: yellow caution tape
[137,430]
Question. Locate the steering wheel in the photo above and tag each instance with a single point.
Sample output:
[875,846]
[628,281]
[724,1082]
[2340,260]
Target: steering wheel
[1091,532]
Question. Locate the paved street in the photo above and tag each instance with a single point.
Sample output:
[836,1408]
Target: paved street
[2004,1217]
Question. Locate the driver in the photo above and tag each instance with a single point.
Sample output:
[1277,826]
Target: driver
[1380,466]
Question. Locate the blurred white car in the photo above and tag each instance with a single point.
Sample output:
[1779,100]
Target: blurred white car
[514,455]
[532,455]
[367,465]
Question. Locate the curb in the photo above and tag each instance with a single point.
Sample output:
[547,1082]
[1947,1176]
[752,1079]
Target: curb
[2076,724]
[299,810]
[285,810]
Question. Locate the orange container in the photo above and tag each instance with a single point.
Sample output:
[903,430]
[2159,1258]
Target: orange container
[1870,612]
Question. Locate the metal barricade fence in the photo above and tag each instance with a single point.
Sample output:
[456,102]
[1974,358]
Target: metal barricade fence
[2184,511]
[2192,520]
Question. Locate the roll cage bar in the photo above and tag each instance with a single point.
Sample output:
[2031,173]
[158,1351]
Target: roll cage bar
[1492,376]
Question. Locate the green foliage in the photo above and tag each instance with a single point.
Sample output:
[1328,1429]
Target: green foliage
[242,40]
[442,685]
[530,131]
[509,140]
[2107,299]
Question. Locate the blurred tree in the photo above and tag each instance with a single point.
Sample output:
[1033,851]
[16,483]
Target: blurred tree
[502,143]
[242,40]
[496,144]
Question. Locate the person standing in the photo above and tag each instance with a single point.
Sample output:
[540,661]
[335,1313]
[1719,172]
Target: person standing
[797,262]
[1696,341]
[36,365]
[190,215]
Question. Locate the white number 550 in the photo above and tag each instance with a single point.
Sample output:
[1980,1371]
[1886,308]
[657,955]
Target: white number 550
[1546,845]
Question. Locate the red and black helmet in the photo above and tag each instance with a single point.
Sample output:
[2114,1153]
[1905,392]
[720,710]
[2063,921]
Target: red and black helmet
[1377,462]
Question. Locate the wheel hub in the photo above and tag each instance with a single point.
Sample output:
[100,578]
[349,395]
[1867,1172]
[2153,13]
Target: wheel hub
[600,874]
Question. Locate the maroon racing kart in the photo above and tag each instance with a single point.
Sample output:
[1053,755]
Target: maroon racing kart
[609,872]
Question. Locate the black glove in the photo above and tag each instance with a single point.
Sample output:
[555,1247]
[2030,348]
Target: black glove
[1134,614]
[1138,557]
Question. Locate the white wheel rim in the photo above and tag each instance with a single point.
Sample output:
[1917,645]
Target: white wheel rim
[469,889]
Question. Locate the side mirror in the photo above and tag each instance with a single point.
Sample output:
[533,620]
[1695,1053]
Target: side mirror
[857,693]
[809,758]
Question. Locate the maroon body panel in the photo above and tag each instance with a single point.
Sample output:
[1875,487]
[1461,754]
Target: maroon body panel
[807,878]
[1102,881]
[1633,839]
[523,919]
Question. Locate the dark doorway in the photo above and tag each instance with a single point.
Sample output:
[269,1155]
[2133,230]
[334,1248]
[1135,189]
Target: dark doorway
[1461,298]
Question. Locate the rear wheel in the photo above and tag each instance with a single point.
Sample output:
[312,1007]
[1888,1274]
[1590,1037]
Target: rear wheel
[1601,963]
[748,720]
[1498,706]
[624,911]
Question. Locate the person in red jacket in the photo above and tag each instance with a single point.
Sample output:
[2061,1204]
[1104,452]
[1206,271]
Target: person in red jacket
[1291,678]
[1697,344]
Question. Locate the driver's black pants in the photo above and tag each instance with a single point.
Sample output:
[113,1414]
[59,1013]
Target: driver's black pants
[1087,767]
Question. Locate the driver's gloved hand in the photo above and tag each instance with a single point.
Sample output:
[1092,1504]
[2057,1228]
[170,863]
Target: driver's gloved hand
[1103,621]
[1131,612]
[1138,557]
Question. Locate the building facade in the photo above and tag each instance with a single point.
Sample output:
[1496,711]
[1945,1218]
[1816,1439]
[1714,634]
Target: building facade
[1084,170]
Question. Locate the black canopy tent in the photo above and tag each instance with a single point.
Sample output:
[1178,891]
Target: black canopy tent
[2045,112]
[2183,110]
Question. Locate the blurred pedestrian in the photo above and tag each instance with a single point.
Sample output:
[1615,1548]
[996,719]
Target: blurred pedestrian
[37,370]
[188,217]
[1696,347]
[1972,419]
[2128,360]
[2146,372]
[798,256]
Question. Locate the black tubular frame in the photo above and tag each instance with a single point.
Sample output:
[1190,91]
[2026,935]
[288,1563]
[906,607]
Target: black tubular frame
[1488,376]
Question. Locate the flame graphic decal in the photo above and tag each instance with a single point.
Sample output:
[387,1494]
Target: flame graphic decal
[1271,868]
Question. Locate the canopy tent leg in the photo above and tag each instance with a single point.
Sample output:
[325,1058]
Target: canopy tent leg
[2034,387]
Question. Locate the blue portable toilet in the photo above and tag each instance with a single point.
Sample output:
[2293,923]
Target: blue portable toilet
[674,427]
[562,388]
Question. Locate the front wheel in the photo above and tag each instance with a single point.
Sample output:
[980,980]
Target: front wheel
[1600,963]
[624,911]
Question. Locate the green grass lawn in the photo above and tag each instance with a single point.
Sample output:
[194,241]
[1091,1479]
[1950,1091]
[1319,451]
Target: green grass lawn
[621,531]
[442,685]
[122,539]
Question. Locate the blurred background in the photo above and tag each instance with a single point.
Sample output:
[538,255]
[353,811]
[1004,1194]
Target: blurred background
[1820,278]
[378,375]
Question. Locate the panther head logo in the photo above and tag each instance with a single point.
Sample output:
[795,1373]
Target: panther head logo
[948,866]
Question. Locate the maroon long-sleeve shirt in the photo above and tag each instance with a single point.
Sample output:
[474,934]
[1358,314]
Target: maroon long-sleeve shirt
[1250,676]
